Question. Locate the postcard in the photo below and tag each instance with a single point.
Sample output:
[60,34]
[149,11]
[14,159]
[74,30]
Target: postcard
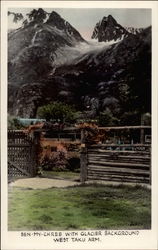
[79,125]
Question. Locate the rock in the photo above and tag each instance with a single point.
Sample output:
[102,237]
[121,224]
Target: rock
[108,29]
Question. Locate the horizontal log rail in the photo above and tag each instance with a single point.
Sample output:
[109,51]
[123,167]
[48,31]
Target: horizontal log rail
[119,145]
[119,156]
[120,171]
[125,127]
[106,163]
[119,179]
[115,152]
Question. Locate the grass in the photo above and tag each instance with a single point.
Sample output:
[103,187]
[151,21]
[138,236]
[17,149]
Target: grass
[80,207]
[68,175]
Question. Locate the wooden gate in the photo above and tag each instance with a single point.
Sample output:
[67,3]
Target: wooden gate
[21,155]
[120,163]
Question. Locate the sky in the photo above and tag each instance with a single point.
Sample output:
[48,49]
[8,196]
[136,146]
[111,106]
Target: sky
[84,20]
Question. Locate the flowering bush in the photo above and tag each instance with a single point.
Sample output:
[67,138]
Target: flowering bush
[55,160]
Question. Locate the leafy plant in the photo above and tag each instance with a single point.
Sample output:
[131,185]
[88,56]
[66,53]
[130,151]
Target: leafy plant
[57,111]
[55,160]
[106,118]
[14,123]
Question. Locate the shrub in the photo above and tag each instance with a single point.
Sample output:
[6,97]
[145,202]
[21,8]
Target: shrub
[57,111]
[55,160]
[106,118]
[14,123]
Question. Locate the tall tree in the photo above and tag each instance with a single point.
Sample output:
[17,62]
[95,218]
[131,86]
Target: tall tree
[57,111]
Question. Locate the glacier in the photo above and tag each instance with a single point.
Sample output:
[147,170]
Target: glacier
[67,55]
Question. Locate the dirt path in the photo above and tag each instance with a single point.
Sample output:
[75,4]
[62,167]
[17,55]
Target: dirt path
[42,183]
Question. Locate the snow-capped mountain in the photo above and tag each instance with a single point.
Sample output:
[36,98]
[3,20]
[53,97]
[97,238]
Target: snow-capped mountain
[66,29]
[36,43]
[48,60]
[72,55]
[103,78]
[108,29]
[133,30]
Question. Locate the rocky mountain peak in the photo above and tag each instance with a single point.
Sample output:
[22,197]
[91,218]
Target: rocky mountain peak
[105,77]
[108,29]
[56,20]
[39,18]
[109,20]
[133,30]
[37,43]
[36,16]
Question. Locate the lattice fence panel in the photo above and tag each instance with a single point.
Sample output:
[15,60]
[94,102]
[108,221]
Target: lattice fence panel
[21,154]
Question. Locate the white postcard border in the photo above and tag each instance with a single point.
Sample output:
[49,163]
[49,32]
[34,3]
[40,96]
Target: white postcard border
[147,239]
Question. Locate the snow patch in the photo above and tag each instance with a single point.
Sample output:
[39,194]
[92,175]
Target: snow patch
[134,30]
[81,51]
[47,17]
[34,37]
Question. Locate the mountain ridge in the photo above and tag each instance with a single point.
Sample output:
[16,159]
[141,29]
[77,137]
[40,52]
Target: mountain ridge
[108,29]
[36,43]
[103,76]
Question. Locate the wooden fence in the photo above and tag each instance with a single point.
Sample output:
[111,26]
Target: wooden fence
[71,134]
[21,154]
[120,163]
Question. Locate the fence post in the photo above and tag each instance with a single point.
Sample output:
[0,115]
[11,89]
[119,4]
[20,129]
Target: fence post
[83,158]
[36,148]
[83,136]
[83,164]
[142,130]
[142,135]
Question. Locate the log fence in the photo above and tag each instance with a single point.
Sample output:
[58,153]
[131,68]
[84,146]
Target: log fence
[102,161]
[118,163]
